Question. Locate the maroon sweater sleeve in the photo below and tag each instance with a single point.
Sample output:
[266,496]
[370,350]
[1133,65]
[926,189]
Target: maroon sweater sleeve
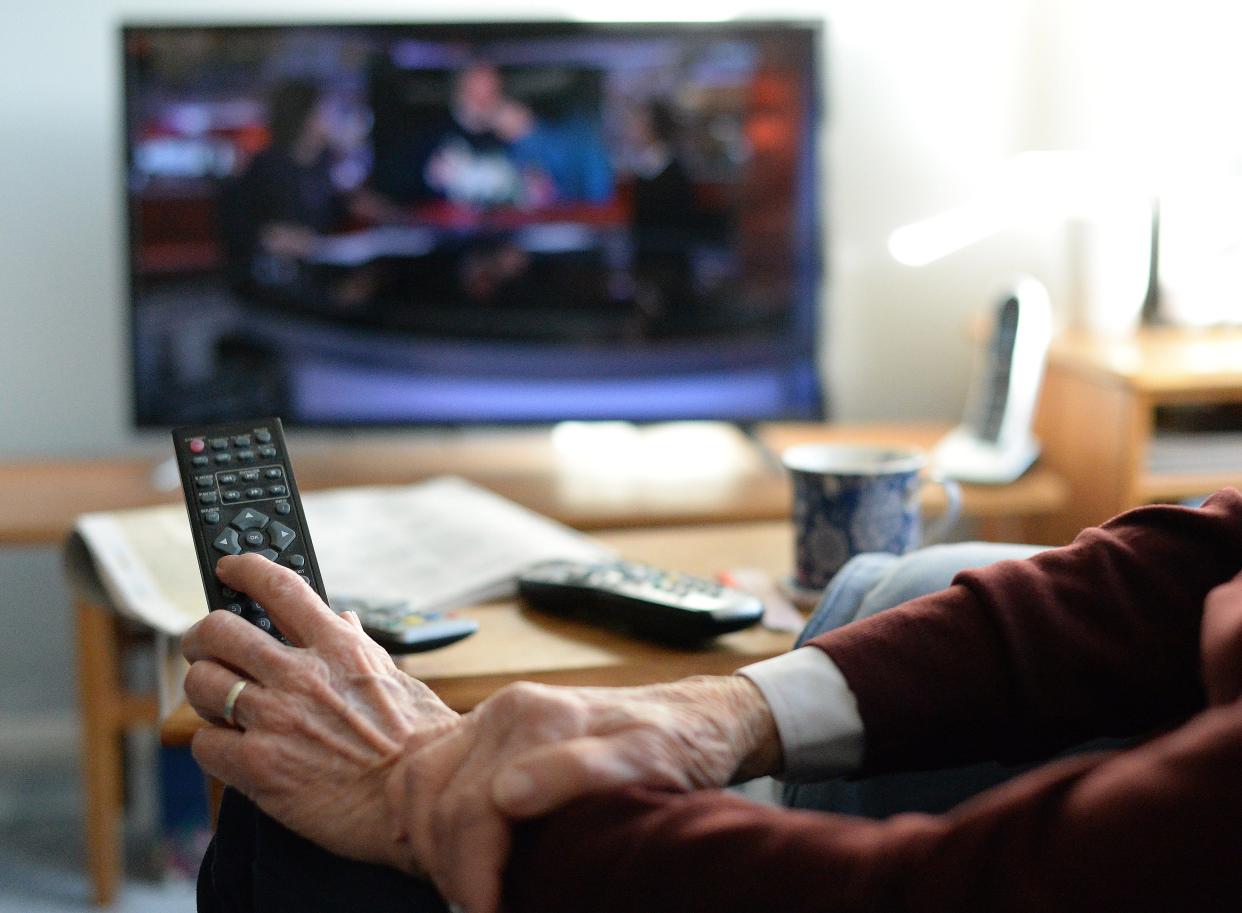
[1015,660]
[1151,829]
[1099,636]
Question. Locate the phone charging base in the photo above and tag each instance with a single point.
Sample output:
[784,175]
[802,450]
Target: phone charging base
[961,456]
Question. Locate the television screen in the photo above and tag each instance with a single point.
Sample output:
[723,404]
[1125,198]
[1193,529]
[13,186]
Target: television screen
[519,222]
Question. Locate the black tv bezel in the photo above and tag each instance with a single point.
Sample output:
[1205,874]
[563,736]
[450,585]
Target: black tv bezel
[817,261]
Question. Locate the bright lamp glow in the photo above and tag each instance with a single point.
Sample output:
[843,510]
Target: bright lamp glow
[1031,188]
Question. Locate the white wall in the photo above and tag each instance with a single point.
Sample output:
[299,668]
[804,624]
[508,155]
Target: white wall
[923,97]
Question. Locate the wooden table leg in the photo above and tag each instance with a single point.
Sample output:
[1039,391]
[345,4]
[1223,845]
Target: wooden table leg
[107,711]
[99,689]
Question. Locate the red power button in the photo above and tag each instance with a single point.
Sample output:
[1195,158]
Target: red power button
[197,445]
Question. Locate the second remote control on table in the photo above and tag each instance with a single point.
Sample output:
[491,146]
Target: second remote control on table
[645,600]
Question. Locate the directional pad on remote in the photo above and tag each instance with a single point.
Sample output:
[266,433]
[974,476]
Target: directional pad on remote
[250,519]
[281,536]
[227,542]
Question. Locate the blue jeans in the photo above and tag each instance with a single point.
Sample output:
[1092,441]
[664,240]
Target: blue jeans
[866,585]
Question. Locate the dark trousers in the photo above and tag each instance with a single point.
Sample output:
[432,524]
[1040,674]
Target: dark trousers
[255,865]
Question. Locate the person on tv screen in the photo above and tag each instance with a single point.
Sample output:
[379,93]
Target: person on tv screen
[275,215]
[492,150]
[562,161]
[666,221]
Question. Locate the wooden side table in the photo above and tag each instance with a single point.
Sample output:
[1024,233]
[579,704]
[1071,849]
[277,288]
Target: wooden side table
[1097,417]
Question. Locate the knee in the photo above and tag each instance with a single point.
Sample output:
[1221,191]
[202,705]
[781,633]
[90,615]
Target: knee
[931,569]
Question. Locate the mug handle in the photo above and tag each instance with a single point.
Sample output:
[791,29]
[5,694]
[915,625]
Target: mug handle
[952,507]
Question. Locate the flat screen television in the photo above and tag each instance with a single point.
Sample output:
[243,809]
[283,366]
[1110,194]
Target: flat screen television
[473,223]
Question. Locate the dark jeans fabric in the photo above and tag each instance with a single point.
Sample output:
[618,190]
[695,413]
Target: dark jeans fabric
[255,865]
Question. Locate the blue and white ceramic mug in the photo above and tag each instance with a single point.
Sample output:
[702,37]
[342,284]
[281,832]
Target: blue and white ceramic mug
[852,499]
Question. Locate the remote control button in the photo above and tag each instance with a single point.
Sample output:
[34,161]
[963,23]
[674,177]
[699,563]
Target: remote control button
[210,515]
[246,456]
[232,497]
[206,497]
[262,435]
[250,475]
[254,538]
[224,458]
[228,593]
[234,607]
[278,490]
[228,478]
[284,508]
[273,472]
[263,623]
[241,440]
[200,461]
[254,493]
[197,445]
[296,561]
[250,519]
[219,443]
[205,481]
[267,452]
[227,542]
[282,536]
[268,554]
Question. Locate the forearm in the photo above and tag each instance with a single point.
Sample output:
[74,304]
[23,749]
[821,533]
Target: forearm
[1151,829]
[742,713]
[726,712]
[1021,658]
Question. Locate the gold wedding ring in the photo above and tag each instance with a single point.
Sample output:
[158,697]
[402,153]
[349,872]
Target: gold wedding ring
[230,701]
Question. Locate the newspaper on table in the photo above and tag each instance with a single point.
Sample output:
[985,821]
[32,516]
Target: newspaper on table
[436,544]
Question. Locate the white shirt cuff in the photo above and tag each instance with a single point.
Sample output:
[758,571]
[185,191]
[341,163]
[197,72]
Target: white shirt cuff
[815,711]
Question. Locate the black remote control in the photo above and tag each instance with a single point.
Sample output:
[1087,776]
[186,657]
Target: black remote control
[643,600]
[241,497]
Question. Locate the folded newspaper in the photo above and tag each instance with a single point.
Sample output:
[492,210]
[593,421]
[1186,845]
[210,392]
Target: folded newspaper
[437,544]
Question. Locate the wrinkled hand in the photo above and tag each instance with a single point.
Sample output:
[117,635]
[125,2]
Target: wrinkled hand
[529,749]
[319,726]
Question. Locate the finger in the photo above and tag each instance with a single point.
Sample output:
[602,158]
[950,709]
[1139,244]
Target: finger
[474,846]
[549,776]
[236,643]
[218,752]
[352,617]
[295,608]
[207,687]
